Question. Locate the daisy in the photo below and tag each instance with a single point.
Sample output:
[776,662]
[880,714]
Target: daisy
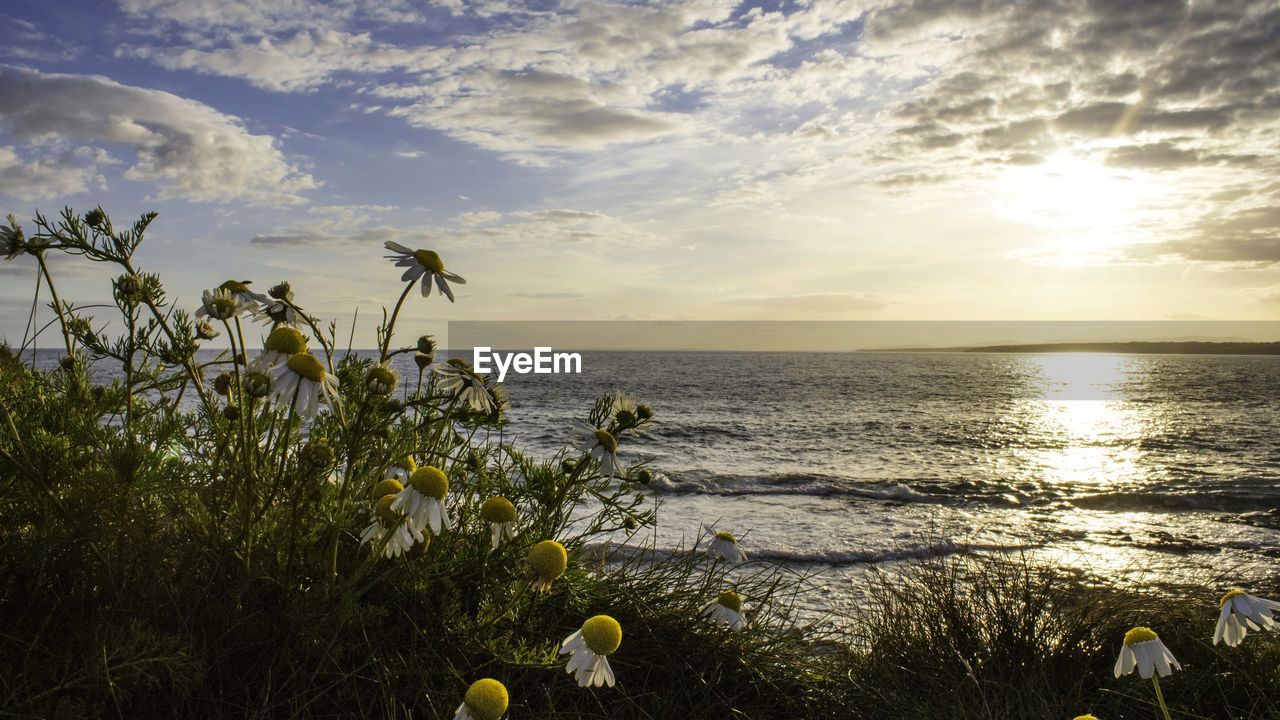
[546,562]
[387,487]
[1242,612]
[240,290]
[222,305]
[601,445]
[589,649]
[381,379]
[1143,650]
[302,380]
[278,309]
[401,471]
[424,264]
[485,700]
[281,344]
[456,376]
[423,499]
[389,524]
[624,407]
[727,609]
[725,547]
[501,516]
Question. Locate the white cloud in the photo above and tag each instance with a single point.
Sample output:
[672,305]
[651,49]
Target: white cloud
[189,149]
[43,179]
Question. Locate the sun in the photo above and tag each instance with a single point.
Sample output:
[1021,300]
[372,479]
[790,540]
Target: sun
[1083,208]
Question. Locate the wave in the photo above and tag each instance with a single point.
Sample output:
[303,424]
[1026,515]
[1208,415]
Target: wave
[820,485]
[820,557]
[1219,501]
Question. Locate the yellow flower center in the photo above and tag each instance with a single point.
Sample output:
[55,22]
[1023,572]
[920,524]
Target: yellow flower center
[429,260]
[408,464]
[548,560]
[285,340]
[731,600]
[459,363]
[602,634]
[387,487]
[306,365]
[607,441]
[222,307]
[384,511]
[1084,717]
[381,375]
[1139,634]
[430,481]
[498,510]
[234,287]
[1230,594]
[487,699]
[726,536]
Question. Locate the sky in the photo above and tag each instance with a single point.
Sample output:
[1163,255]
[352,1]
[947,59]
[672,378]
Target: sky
[703,160]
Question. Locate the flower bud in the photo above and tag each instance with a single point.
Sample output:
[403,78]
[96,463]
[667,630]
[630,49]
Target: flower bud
[644,476]
[257,384]
[281,291]
[568,466]
[231,412]
[317,454]
[644,412]
[129,286]
[95,218]
[427,345]
[424,360]
[67,362]
[630,523]
[222,384]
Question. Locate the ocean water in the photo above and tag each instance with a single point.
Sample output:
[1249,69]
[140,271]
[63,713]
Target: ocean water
[1142,468]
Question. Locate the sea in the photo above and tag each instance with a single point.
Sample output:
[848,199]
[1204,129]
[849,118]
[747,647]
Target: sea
[1139,469]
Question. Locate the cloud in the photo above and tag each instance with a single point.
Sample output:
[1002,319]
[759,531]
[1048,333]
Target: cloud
[189,149]
[44,178]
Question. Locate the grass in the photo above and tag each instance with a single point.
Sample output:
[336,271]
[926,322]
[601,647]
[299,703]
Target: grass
[158,561]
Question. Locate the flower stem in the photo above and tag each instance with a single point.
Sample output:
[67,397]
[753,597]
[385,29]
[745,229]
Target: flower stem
[391,324]
[1155,682]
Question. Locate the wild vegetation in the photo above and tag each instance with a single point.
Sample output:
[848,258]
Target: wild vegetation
[301,532]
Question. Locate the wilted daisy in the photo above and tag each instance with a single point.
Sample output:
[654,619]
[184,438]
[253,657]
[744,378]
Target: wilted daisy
[589,649]
[546,562]
[1143,650]
[402,470]
[456,376]
[501,516]
[423,499]
[302,380]
[239,289]
[391,524]
[278,309]
[281,344]
[725,546]
[727,609]
[424,264]
[381,379]
[220,304]
[485,700]
[599,444]
[1242,612]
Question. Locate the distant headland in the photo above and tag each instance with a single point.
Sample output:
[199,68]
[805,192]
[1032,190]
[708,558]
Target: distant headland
[1130,348]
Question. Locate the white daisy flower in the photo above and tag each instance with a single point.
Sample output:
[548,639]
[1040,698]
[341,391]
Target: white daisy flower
[423,499]
[599,444]
[725,546]
[304,375]
[485,700]
[589,649]
[281,344]
[391,525]
[381,379]
[456,376]
[402,470]
[546,562]
[1242,612]
[500,513]
[1143,650]
[727,609]
[220,304]
[424,264]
